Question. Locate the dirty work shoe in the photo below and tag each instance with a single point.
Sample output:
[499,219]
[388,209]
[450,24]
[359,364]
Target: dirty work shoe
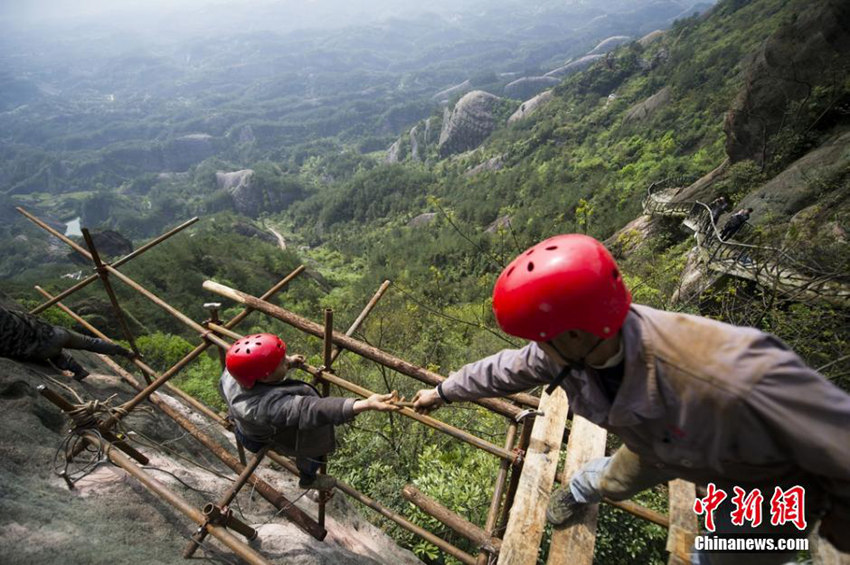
[563,507]
[319,482]
[79,372]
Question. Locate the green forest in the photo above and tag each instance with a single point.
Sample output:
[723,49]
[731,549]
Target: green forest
[582,162]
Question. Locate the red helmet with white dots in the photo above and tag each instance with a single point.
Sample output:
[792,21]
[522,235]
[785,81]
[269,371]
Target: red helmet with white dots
[567,282]
[254,357]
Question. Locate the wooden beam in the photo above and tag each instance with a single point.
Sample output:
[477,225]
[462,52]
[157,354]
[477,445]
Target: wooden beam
[574,544]
[528,515]
[683,522]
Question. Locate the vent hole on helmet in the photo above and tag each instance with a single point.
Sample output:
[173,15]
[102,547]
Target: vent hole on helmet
[278,345]
[258,344]
[530,251]
[237,349]
[511,270]
[530,267]
[552,248]
[248,351]
[615,273]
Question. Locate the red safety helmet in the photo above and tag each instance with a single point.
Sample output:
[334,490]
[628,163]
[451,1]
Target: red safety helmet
[567,282]
[254,357]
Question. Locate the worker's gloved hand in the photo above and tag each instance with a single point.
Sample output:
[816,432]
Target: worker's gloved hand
[835,529]
[427,400]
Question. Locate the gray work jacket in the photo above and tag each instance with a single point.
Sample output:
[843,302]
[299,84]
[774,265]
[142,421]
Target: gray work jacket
[290,415]
[708,401]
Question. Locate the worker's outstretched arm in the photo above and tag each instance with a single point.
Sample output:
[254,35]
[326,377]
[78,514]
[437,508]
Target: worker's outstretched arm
[501,374]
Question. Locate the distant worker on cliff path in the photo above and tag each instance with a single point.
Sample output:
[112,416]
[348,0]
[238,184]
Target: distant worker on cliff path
[690,397]
[735,222]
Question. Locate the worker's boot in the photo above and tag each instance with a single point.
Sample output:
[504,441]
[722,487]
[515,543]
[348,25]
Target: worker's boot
[64,362]
[319,482]
[563,508]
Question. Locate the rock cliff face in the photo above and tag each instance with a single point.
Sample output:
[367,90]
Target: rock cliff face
[609,44]
[644,110]
[247,198]
[574,66]
[530,106]
[469,123]
[791,64]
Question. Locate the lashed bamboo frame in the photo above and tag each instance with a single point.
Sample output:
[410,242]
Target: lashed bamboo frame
[334,344]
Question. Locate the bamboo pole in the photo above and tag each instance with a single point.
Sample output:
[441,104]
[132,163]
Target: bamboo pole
[395,517]
[360,318]
[527,520]
[359,347]
[516,472]
[451,519]
[190,400]
[91,278]
[498,492]
[104,278]
[326,390]
[131,283]
[226,499]
[239,548]
[410,413]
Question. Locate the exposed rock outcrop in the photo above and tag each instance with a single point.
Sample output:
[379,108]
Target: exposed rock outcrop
[422,220]
[801,183]
[493,164]
[249,198]
[527,87]
[645,110]
[609,44]
[650,37]
[530,106]
[469,123]
[444,95]
[795,59]
[394,152]
[574,66]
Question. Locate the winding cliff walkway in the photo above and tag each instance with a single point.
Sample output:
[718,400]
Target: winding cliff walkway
[741,257]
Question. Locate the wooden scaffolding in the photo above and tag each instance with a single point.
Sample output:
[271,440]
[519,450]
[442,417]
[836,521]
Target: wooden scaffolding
[535,431]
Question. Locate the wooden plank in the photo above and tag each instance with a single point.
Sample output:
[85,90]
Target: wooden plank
[528,515]
[683,522]
[574,544]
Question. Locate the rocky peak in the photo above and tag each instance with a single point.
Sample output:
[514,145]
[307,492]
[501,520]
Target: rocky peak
[469,123]
[791,63]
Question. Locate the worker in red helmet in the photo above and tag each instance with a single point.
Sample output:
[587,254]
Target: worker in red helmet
[690,397]
[269,408]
